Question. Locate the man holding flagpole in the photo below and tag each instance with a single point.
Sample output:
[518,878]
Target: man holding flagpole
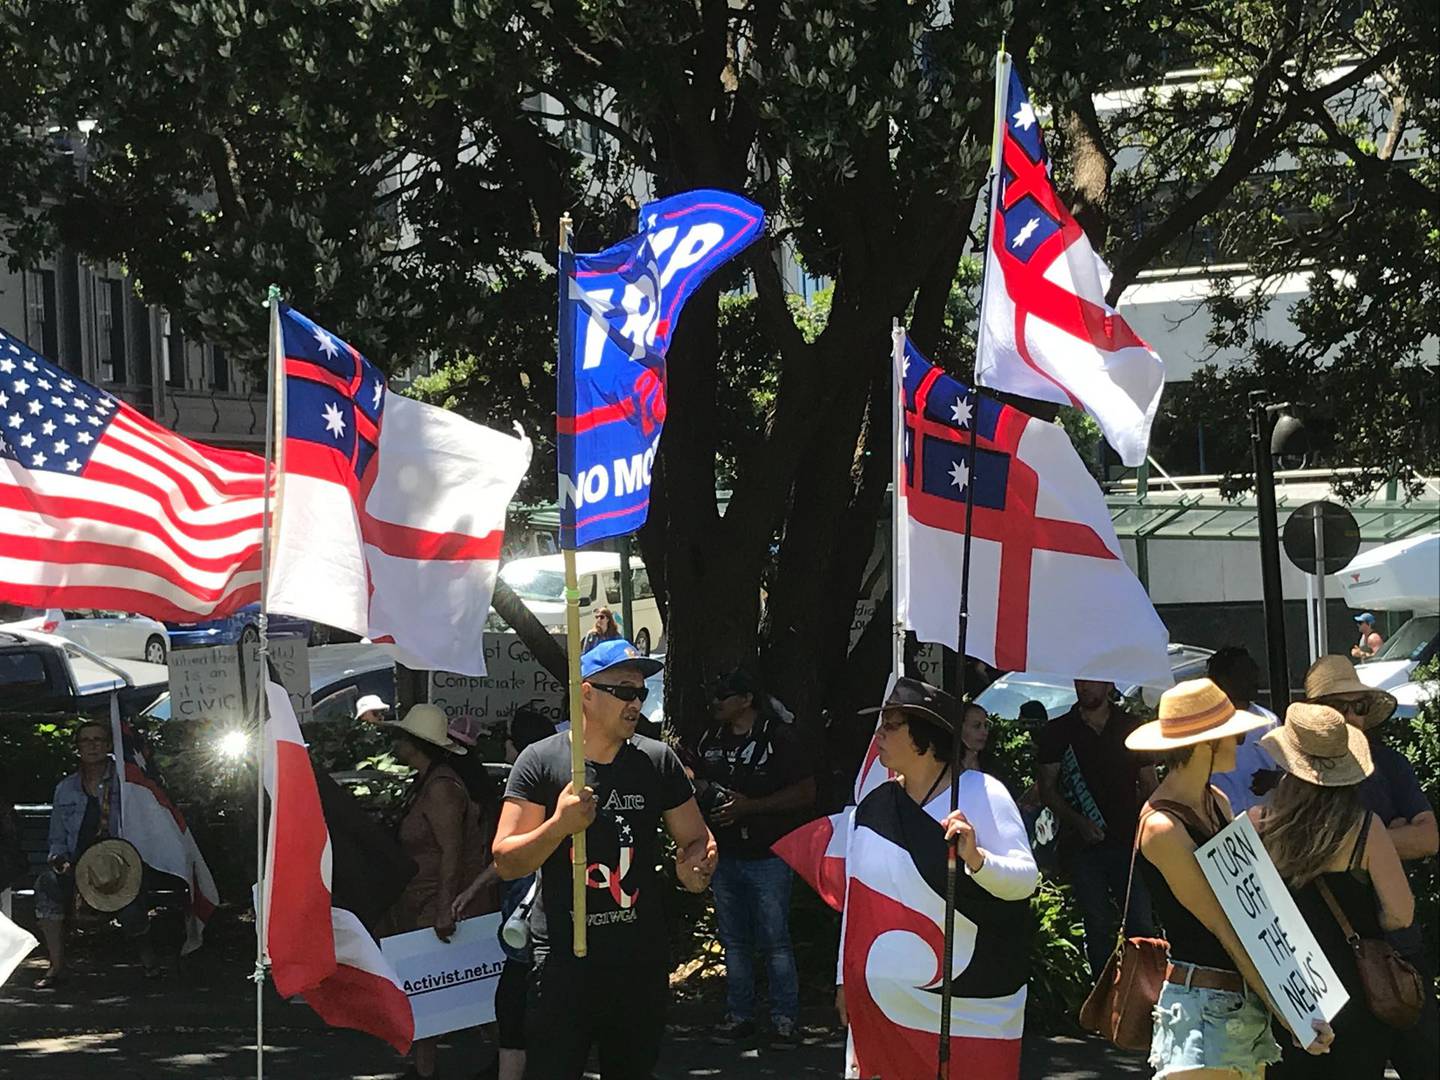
[615,996]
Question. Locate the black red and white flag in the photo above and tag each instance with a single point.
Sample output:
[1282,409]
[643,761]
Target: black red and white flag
[315,948]
[882,863]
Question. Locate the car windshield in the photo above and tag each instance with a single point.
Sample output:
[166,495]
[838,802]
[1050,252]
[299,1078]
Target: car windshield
[1410,640]
[1003,697]
[532,583]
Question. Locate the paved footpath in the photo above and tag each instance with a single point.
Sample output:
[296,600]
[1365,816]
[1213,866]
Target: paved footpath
[108,1023]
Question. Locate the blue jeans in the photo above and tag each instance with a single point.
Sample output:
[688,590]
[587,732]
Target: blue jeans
[752,911]
[1097,878]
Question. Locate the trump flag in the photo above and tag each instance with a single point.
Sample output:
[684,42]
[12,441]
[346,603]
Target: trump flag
[618,310]
[1048,331]
[391,511]
[1049,591]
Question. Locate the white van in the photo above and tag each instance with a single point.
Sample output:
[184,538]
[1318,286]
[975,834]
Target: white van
[1401,576]
[540,582]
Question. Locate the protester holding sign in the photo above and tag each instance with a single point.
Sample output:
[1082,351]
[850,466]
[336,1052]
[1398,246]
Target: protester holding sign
[440,829]
[1212,1012]
[1323,841]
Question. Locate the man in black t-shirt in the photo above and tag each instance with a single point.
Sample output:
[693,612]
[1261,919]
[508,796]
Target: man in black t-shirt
[755,785]
[615,997]
[1094,785]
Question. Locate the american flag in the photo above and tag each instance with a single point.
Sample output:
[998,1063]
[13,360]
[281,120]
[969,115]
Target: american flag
[101,507]
[1048,331]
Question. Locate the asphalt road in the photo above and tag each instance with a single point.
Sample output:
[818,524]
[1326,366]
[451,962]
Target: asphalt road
[108,1023]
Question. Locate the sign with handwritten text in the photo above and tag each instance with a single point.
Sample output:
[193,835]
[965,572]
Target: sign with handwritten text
[1263,914]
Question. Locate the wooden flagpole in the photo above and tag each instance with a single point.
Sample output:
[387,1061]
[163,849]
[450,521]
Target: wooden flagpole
[572,631]
[942,1068]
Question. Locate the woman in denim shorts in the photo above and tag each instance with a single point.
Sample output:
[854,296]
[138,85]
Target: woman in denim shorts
[1213,1018]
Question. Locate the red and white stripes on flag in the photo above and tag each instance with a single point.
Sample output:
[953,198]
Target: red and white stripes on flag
[101,507]
[157,828]
[315,949]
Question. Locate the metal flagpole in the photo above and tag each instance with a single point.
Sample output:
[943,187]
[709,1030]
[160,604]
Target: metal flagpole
[897,561]
[262,705]
[572,631]
[942,1069]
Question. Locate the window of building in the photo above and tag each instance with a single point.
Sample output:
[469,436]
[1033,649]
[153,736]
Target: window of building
[144,357]
[175,361]
[110,329]
[219,370]
[42,323]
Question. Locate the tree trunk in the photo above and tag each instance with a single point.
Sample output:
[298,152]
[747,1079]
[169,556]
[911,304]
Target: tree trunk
[512,610]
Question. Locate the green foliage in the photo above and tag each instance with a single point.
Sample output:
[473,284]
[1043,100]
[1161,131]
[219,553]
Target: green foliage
[1419,741]
[36,753]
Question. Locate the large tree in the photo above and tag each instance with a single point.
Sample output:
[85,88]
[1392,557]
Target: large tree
[400,167]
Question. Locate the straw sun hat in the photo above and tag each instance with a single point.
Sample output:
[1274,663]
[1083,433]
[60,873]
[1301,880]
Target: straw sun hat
[108,874]
[1192,712]
[1316,745]
[428,724]
[1332,676]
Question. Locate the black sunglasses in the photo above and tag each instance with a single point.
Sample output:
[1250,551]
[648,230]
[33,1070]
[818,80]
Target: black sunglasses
[1358,706]
[624,693]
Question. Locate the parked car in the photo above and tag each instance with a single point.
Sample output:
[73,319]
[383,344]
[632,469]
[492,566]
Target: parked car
[109,633]
[1006,694]
[540,583]
[244,626]
[339,676]
[42,673]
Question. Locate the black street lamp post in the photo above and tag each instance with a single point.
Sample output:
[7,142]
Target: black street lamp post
[1266,439]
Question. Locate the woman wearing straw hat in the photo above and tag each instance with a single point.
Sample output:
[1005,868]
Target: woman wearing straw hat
[1320,837]
[1393,793]
[440,829]
[1211,1019]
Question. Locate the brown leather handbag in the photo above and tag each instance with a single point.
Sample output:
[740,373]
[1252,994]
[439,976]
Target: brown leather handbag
[1121,1007]
[1394,990]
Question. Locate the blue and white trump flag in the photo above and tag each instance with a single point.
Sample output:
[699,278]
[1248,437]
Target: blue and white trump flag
[618,309]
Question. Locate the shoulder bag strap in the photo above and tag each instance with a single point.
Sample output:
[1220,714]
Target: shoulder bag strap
[1145,812]
[1357,857]
[1339,913]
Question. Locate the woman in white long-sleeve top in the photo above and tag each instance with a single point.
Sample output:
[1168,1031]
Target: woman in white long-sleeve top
[893,916]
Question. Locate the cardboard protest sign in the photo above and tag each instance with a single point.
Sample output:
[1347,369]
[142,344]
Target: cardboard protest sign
[1264,916]
[211,683]
[485,703]
[205,683]
[451,986]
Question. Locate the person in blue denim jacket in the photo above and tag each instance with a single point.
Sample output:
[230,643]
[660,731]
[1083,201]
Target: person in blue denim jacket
[84,808]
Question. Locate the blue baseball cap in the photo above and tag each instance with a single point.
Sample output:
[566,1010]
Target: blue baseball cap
[1365,617]
[615,653]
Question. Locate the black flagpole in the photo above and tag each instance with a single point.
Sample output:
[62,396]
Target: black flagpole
[957,749]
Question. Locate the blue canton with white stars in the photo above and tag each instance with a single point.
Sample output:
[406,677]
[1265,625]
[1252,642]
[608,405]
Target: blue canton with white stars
[1027,223]
[944,460]
[50,421]
[318,413]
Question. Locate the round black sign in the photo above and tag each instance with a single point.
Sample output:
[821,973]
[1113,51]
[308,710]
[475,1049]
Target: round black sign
[1340,535]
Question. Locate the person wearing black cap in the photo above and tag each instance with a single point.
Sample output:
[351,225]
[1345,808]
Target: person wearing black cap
[755,785]
[614,997]
[892,919]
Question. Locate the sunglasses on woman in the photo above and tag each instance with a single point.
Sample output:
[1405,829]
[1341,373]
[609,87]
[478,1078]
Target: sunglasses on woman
[1358,706]
[624,693]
